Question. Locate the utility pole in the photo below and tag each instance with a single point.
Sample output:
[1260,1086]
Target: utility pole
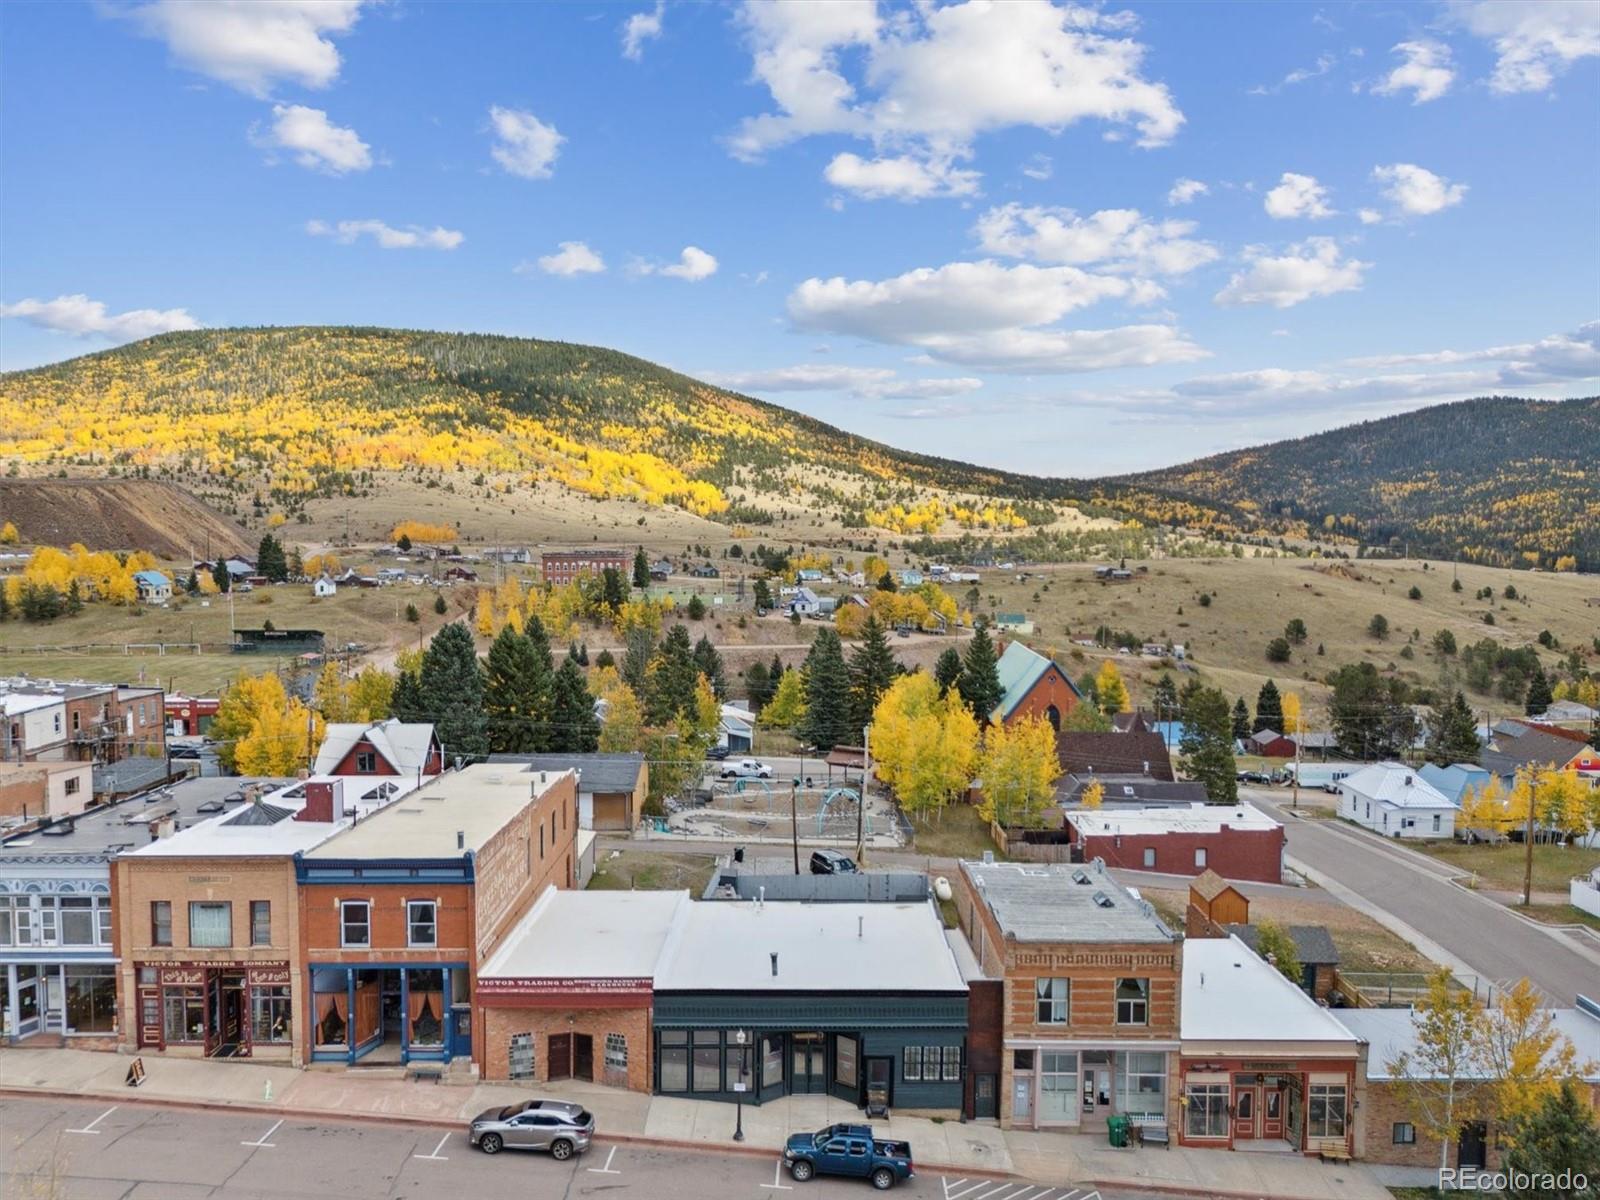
[1527,838]
[861,803]
[1298,734]
[794,821]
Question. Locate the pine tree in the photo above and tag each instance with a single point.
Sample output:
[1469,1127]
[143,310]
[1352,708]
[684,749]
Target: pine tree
[670,681]
[451,688]
[516,695]
[1539,694]
[74,599]
[1165,698]
[612,593]
[761,594]
[1453,733]
[1560,1137]
[872,669]
[1241,720]
[886,583]
[1208,745]
[406,702]
[192,584]
[709,663]
[979,684]
[827,722]
[574,729]
[605,659]
[270,559]
[1269,709]
[755,685]
[641,569]
[220,576]
[947,670]
[439,606]
[636,656]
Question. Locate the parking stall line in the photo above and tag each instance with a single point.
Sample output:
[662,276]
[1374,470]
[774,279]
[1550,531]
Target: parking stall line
[436,1156]
[994,1191]
[90,1127]
[777,1174]
[261,1143]
[606,1170]
[961,1188]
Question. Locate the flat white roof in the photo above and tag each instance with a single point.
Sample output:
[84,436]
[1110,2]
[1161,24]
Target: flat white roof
[236,833]
[588,935]
[728,945]
[1193,818]
[1232,994]
[477,802]
[1391,1031]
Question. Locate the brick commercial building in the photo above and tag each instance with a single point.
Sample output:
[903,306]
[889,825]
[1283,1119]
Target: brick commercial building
[45,721]
[208,925]
[1238,841]
[565,566]
[1091,978]
[1032,685]
[1386,1130]
[45,789]
[568,994]
[398,911]
[611,787]
[1264,1066]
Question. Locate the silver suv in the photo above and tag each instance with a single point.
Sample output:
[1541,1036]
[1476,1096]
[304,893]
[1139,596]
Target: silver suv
[554,1125]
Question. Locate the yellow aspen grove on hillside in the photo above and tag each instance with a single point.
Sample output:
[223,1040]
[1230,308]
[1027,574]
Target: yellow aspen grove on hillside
[1109,687]
[9,535]
[421,532]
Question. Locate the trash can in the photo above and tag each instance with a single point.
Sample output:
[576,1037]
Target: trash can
[1117,1128]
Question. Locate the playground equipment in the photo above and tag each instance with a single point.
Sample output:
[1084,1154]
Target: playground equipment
[740,788]
[847,794]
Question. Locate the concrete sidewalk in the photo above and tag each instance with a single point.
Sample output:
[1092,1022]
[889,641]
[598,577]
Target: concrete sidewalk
[946,1147]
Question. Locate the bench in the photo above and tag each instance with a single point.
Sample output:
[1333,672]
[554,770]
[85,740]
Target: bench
[1333,1151]
[1153,1134]
[425,1072]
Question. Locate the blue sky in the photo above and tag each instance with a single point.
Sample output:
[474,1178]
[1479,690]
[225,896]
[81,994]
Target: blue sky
[1061,239]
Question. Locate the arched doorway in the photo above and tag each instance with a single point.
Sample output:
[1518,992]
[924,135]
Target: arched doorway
[1053,715]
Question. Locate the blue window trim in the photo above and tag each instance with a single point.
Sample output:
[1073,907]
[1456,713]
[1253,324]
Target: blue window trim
[352,1054]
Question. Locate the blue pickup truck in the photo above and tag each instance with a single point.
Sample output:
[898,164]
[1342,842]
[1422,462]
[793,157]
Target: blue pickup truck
[848,1150]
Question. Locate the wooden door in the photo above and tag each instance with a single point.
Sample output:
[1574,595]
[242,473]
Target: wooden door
[213,1018]
[1244,1112]
[583,1057]
[560,1056]
[1272,1112]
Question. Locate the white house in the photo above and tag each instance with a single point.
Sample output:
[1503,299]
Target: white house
[322,587]
[1393,799]
[152,586]
[805,602]
[737,729]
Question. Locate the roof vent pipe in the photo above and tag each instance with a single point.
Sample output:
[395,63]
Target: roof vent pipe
[774,964]
[461,839]
[761,903]
[861,927]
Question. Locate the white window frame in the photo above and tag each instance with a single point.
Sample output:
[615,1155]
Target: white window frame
[1143,1001]
[1200,858]
[345,922]
[412,923]
[1045,992]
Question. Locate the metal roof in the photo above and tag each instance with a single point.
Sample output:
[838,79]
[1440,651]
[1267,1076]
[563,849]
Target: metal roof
[596,772]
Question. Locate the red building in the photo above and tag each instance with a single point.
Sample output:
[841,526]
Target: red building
[1031,684]
[564,566]
[190,716]
[1237,840]
[389,747]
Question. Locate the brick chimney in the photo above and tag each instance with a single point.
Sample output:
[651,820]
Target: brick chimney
[319,801]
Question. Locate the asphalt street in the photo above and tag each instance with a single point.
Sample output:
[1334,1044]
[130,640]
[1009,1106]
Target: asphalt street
[74,1150]
[1489,940]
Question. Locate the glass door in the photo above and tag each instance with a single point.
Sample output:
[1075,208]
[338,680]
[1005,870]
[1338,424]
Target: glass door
[29,1000]
[807,1063]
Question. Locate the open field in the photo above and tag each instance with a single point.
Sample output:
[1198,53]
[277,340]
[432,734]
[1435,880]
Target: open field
[1363,944]
[957,832]
[627,870]
[1500,868]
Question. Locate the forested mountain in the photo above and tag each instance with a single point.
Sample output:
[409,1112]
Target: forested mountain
[1495,480]
[271,418]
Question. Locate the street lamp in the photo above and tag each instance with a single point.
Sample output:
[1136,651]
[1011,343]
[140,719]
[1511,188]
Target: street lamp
[740,1038]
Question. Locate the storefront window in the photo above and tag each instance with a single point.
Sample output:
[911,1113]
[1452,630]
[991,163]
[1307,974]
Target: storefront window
[1325,1110]
[426,1006]
[185,1014]
[771,1061]
[1142,1085]
[737,1066]
[845,1049]
[1058,1087]
[331,995]
[707,1060]
[952,1064]
[616,1052]
[674,1053]
[1206,1115]
[911,1063]
[91,999]
[270,1014]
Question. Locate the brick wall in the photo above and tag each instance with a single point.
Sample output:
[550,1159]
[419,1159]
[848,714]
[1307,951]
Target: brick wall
[1052,688]
[1383,1106]
[498,1025]
[1235,853]
[536,850]
[320,921]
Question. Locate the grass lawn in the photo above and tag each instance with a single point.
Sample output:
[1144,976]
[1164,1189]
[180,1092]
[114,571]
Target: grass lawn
[1560,914]
[957,832]
[1501,867]
[630,870]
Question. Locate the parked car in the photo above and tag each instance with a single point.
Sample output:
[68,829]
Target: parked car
[848,1150]
[717,753]
[831,862]
[745,768]
[554,1125]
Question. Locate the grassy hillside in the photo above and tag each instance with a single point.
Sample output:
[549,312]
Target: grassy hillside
[119,514]
[1496,480]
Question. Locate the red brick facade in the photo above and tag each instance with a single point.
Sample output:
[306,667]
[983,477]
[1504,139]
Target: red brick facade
[1250,854]
[1051,697]
[564,566]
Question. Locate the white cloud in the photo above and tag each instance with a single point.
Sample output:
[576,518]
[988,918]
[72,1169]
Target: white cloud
[1574,355]
[867,383]
[1426,73]
[1121,239]
[252,44]
[1039,166]
[1536,40]
[640,28]
[1418,192]
[986,314]
[315,141]
[901,177]
[1299,75]
[570,258]
[387,237]
[79,316]
[1184,191]
[931,79]
[1297,196]
[693,265]
[1310,268]
[1369,216]
[525,146]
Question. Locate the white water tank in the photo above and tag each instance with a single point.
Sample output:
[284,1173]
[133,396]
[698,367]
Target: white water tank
[941,888]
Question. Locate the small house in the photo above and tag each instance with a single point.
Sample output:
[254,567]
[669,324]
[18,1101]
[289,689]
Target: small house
[1393,799]
[661,569]
[809,575]
[910,578]
[323,587]
[806,603]
[153,587]
[1269,743]
[737,729]
[706,571]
